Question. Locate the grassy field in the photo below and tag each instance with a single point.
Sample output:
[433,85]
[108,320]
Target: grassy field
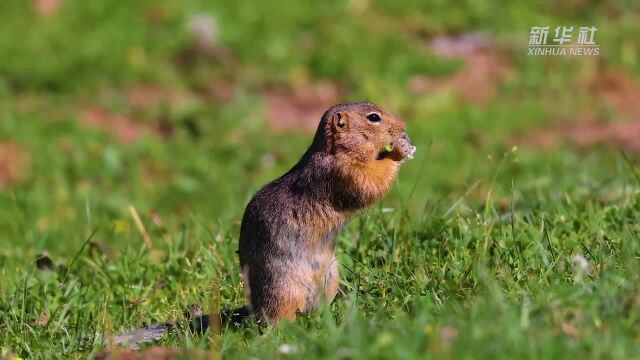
[488,246]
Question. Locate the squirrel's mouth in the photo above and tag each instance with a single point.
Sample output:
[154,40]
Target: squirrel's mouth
[385,151]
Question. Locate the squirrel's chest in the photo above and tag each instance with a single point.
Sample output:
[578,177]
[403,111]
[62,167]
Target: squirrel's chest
[313,226]
[317,278]
[327,239]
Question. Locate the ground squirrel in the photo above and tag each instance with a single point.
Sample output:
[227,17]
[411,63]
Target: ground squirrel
[289,227]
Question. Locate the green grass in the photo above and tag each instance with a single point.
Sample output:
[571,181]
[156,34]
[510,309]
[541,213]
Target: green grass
[471,255]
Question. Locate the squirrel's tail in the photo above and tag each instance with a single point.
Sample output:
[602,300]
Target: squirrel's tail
[232,318]
[198,324]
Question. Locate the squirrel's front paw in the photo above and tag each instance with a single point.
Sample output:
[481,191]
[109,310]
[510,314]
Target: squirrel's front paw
[403,150]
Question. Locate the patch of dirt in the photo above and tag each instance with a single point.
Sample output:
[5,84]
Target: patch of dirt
[143,101]
[586,133]
[459,46]
[45,8]
[15,164]
[482,71]
[618,90]
[301,107]
[219,91]
[142,97]
[124,128]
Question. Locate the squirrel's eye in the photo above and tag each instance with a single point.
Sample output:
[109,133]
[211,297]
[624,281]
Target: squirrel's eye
[373,117]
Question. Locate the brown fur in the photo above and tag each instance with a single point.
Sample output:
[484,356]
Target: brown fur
[289,228]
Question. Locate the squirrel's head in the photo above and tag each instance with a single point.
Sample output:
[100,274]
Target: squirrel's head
[360,130]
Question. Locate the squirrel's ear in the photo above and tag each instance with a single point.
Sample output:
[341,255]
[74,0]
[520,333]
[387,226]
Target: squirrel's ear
[340,121]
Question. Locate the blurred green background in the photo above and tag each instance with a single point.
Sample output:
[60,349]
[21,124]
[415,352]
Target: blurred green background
[181,110]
